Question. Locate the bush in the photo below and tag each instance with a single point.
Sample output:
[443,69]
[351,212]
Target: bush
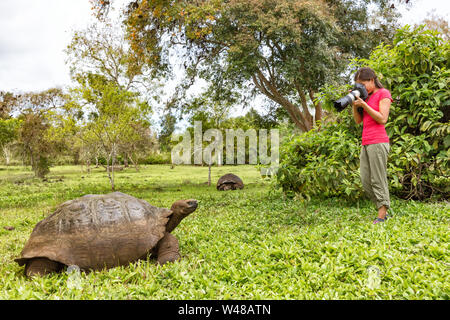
[41,166]
[415,70]
[322,162]
[156,158]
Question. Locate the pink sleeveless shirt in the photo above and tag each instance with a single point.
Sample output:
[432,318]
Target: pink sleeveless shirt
[374,132]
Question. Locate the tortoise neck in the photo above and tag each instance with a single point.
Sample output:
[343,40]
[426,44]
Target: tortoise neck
[174,221]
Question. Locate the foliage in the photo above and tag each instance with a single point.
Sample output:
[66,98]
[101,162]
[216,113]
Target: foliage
[415,70]
[246,244]
[323,162]
[217,117]
[101,48]
[31,134]
[435,22]
[114,114]
[8,131]
[285,50]
[8,101]
[168,122]
[39,114]
[156,158]
[116,120]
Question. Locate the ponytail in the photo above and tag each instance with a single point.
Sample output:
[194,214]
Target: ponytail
[377,83]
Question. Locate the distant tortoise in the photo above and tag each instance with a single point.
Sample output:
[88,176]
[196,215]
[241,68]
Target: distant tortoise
[103,231]
[229,182]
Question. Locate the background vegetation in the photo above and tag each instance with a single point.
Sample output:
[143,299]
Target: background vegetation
[306,234]
[246,244]
[415,69]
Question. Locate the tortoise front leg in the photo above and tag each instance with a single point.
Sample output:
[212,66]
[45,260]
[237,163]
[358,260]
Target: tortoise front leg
[168,249]
[41,267]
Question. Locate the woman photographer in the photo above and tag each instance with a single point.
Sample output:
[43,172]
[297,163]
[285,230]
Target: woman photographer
[375,141]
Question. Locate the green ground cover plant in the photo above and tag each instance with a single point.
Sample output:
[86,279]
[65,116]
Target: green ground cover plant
[245,244]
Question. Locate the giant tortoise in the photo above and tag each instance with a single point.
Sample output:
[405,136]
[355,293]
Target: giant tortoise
[103,231]
[229,181]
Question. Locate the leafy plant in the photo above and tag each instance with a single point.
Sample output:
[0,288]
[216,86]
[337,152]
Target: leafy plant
[322,162]
[415,70]
[245,244]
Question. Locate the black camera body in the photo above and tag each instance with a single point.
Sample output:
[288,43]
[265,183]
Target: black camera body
[358,91]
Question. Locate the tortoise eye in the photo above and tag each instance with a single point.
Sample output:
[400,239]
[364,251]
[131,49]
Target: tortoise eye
[192,203]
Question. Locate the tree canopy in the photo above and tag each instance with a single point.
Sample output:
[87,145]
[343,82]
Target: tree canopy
[284,49]
[112,116]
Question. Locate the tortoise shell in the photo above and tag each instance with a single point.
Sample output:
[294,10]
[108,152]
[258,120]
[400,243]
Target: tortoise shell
[229,181]
[97,231]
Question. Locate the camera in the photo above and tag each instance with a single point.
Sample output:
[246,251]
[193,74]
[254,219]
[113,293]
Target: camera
[358,91]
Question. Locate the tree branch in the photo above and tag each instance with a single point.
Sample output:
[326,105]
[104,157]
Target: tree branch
[271,91]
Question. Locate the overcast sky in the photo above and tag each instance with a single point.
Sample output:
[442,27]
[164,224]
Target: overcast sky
[34,33]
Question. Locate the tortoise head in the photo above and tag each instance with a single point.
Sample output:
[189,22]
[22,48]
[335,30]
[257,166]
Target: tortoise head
[184,207]
[180,210]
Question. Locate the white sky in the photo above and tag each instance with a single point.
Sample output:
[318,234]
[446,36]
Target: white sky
[34,33]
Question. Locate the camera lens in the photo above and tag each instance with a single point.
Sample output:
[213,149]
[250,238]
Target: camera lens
[340,104]
[358,91]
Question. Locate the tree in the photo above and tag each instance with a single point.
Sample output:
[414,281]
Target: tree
[8,134]
[140,139]
[110,81]
[113,118]
[102,49]
[8,101]
[285,49]
[168,122]
[8,126]
[38,115]
[435,22]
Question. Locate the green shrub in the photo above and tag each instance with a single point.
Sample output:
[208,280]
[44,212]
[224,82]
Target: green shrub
[156,158]
[415,70]
[41,166]
[322,162]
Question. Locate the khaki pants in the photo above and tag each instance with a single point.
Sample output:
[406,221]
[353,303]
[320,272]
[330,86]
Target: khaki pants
[373,170]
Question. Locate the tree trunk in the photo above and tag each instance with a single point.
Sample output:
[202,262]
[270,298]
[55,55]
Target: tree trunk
[318,107]
[76,157]
[301,117]
[113,162]
[88,166]
[110,170]
[7,153]
[135,164]
[209,174]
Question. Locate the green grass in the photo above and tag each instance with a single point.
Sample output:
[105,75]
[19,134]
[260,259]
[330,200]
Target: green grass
[244,244]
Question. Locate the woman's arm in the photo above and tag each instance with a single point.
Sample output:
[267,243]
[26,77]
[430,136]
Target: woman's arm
[356,115]
[381,116]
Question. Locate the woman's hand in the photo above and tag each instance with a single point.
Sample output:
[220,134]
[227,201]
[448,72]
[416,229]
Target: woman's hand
[359,102]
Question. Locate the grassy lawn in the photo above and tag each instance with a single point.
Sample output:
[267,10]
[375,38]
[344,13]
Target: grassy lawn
[244,244]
